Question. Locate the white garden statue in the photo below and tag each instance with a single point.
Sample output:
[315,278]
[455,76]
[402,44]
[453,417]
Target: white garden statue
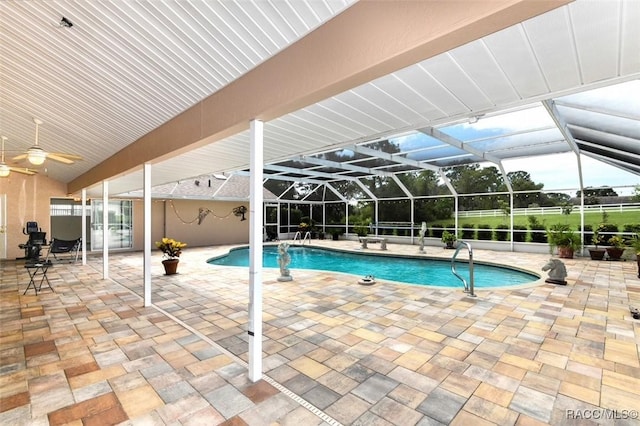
[283,261]
[556,270]
[422,232]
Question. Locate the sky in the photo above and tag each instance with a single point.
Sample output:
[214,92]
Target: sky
[529,139]
[559,171]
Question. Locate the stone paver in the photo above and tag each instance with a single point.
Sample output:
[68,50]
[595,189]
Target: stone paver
[341,352]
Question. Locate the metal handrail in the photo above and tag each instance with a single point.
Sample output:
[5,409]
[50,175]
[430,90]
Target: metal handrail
[307,237]
[468,287]
[298,236]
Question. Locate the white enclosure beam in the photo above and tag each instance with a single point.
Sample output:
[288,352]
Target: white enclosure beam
[392,157]
[255,250]
[84,226]
[105,229]
[147,233]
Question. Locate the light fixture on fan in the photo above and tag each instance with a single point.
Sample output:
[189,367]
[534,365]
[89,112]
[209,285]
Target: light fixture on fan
[5,169]
[37,156]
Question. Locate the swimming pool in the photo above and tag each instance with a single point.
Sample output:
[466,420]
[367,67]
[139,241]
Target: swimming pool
[422,271]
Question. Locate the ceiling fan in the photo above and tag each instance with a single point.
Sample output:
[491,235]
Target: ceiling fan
[5,169]
[37,155]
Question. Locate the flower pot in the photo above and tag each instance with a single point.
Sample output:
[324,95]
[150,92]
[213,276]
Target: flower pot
[597,254]
[565,252]
[614,253]
[170,266]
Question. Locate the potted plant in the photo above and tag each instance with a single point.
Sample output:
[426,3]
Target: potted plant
[171,250]
[567,241]
[304,227]
[597,253]
[448,238]
[635,245]
[335,233]
[617,247]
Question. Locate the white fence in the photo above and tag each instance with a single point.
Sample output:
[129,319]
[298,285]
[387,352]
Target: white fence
[541,211]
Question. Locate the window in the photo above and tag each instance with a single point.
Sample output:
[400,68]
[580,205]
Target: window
[119,228]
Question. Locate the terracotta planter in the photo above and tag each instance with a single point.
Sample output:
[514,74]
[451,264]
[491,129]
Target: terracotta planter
[597,254]
[565,252]
[170,266]
[614,253]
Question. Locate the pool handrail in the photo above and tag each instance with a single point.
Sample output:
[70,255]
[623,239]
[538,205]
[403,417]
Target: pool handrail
[468,287]
[298,236]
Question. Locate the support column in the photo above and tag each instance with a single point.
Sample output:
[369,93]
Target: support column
[255,251]
[105,229]
[83,221]
[147,233]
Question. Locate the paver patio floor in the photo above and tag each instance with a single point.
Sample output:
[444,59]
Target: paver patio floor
[335,352]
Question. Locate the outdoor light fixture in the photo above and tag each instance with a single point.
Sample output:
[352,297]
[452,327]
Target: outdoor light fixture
[36,155]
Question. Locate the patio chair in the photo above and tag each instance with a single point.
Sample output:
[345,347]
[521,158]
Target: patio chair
[59,247]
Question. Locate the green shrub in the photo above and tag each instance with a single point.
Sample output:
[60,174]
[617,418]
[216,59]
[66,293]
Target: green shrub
[436,230]
[361,230]
[631,228]
[606,231]
[468,231]
[538,232]
[502,233]
[587,230]
[519,233]
[485,232]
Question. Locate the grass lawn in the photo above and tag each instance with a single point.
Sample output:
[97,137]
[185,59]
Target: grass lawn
[573,220]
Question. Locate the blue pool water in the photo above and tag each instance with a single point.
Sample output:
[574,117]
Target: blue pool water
[403,269]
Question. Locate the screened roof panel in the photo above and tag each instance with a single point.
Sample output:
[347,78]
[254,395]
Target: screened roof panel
[416,141]
[521,141]
[607,122]
[441,153]
[601,125]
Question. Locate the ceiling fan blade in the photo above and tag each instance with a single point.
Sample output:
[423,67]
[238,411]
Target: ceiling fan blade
[20,157]
[65,155]
[23,170]
[61,158]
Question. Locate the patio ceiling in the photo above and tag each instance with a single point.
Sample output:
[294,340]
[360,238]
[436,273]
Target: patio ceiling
[125,68]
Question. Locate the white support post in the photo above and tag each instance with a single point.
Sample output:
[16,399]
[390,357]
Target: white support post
[84,226]
[147,233]
[105,229]
[255,251]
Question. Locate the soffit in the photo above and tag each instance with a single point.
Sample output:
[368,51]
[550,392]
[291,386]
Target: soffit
[126,67]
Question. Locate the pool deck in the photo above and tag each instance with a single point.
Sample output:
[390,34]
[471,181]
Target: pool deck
[335,352]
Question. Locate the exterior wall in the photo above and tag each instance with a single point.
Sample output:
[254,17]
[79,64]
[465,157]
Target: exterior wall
[218,227]
[28,200]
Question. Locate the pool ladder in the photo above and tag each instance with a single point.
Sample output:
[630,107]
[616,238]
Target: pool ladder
[468,287]
[298,236]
